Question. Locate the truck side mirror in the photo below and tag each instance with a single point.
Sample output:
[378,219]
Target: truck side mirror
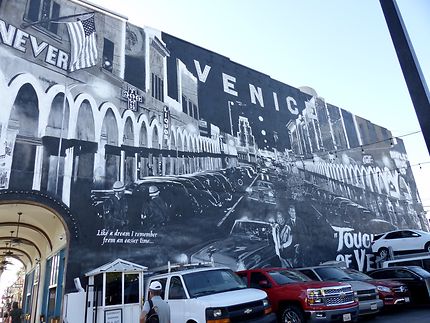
[264,284]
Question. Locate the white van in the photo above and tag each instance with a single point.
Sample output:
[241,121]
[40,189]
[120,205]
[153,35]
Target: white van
[212,295]
[421,260]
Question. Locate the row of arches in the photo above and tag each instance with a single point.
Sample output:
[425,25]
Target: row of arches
[55,139]
[45,113]
[375,179]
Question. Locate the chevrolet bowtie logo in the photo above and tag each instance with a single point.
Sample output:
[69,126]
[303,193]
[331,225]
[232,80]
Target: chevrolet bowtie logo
[247,311]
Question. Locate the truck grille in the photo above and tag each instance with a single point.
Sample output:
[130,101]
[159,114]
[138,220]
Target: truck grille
[367,295]
[338,296]
[245,312]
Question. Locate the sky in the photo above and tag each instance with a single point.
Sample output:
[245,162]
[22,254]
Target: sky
[342,49]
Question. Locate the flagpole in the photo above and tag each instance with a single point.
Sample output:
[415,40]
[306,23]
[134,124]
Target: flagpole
[29,24]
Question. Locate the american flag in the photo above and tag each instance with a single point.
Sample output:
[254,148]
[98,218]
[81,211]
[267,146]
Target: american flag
[83,43]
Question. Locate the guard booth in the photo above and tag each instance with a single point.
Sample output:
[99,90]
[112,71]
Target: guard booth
[113,294]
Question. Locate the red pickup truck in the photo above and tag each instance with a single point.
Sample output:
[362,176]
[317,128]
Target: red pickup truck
[296,298]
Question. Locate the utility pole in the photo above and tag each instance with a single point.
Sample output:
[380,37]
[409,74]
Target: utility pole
[414,78]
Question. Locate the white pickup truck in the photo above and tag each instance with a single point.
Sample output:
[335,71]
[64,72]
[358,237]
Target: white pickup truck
[212,294]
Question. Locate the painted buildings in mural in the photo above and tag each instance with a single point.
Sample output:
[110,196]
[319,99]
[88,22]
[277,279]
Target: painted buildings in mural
[155,134]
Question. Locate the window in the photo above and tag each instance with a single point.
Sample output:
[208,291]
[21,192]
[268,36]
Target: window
[98,290]
[256,278]
[184,104]
[309,273]
[410,234]
[382,274]
[108,49]
[287,277]
[394,235]
[131,288]
[404,274]
[43,10]
[176,290]
[113,289]
[211,282]
[157,87]
[244,278]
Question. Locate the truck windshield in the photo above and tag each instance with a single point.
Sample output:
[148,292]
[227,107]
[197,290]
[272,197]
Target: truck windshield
[212,281]
[333,274]
[287,277]
[357,275]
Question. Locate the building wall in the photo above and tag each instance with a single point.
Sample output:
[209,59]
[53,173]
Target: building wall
[286,148]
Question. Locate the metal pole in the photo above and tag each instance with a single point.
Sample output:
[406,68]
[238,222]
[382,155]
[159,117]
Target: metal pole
[414,78]
[229,114]
[26,25]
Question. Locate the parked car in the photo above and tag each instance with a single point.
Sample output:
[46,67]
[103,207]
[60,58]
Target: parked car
[212,294]
[416,278]
[262,191]
[251,244]
[390,291]
[296,298]
[400,241]
[368,298]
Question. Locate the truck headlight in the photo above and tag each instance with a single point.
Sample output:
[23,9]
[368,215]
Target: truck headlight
[383,289]
[315,296]
[217,315]
[266,306]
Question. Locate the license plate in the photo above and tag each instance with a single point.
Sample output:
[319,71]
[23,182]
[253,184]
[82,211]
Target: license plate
[373,307]
[346,317]
[407,300]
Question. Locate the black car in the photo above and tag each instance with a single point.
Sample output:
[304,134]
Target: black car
[251,244]
[416,278]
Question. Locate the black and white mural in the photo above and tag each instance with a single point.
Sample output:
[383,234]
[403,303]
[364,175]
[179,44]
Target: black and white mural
[165,151]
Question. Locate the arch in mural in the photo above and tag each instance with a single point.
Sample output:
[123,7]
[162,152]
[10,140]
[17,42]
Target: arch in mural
[130,158]
[109,171]
[23,123]
[155,134]
[129,123]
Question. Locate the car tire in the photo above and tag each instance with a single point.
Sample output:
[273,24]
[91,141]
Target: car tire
[383,253]
[427,247]
[292,314]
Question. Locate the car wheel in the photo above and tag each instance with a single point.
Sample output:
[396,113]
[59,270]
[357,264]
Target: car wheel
[292,314]
[383,253]
[427,247]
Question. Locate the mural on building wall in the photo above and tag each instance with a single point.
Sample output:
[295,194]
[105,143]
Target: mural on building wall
[192,157]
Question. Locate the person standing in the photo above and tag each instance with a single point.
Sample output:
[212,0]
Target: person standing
[115,208]
[284,239]
[16,313]
[155,304]
[298,236]
[155,211]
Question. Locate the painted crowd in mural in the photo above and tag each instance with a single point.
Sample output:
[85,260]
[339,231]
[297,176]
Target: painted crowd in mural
[165,151]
